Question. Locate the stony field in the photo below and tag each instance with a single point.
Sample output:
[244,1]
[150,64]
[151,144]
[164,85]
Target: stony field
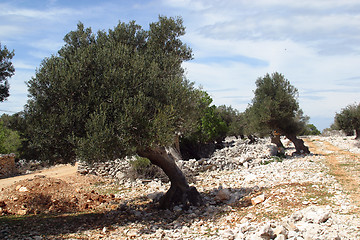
[248,194]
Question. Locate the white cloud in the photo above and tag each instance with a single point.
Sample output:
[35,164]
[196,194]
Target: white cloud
[320,5]
[187,4]
[19,64]
[8,31]
[48,44]
[313,43]
[53,14]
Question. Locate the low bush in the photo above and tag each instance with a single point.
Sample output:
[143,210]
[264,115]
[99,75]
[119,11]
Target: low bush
[143,168]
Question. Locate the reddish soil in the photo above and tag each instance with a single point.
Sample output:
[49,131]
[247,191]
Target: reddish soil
[38,193]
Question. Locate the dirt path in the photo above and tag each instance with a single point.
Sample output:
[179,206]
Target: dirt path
[343,165]
[59,171]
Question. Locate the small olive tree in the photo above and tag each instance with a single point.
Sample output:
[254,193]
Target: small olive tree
[117,93]
[348,120]
[275,108]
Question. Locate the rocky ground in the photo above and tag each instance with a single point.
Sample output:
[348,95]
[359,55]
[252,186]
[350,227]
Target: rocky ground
[248,195]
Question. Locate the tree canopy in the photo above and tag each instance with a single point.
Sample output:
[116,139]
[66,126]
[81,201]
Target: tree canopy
[7,70]
[210,125]
[110,94]
[310,129]
[275,104]
[275,108]
[234,120]
[348,120]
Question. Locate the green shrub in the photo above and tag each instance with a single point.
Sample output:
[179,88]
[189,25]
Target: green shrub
[310,129]
[140,164]
[10,140]
[142,168]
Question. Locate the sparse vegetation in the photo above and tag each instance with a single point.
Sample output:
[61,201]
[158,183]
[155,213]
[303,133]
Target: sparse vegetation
[142,168]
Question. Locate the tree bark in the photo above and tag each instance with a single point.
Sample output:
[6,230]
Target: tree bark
[276,140]
[180,192]
[357,133]
[299,144]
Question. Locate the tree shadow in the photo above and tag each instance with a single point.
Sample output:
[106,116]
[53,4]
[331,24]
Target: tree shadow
[140,211]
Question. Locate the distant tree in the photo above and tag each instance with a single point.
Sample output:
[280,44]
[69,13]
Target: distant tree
[10,141]
[115,94]
[310,129]
[275,108]
[6,71]
[210,130]
[211,127]
[233,119]
[348,120]
[17,122]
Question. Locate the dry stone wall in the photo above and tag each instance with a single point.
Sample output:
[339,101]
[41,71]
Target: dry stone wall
[7,165]
[237,154]
[114,169]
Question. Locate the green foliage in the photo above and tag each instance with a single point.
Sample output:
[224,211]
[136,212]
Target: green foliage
[10,140]
[17,122]
[210,125]
[110,94]
[310,129]
[275,107]
[233,119]
[348,119]
[142,167]
[6,71]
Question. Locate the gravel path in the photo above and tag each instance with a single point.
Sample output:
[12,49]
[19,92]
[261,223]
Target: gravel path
[57,172]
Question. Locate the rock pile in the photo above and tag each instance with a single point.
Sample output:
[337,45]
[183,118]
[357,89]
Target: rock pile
[237,154]
[313,222]
[29,166]
[113,169]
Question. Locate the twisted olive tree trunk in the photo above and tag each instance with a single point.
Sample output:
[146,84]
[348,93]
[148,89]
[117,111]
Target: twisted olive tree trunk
[180,192]
[277,141]
[299,144]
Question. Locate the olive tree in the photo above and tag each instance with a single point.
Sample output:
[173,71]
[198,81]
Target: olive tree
[113,94]
[7,70]
[275,108]
[348,120]
[234,120]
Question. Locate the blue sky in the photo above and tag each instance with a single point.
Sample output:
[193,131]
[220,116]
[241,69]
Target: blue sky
[314,43]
